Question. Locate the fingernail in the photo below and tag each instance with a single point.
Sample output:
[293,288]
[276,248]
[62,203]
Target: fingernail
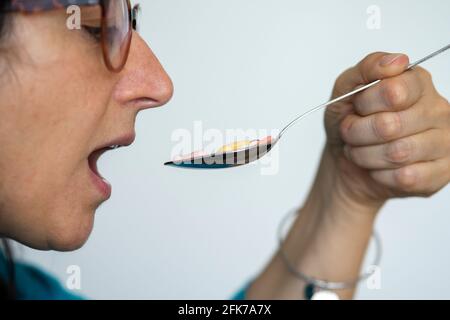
[390,59]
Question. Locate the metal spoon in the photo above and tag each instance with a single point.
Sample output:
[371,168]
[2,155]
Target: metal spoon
[255,151]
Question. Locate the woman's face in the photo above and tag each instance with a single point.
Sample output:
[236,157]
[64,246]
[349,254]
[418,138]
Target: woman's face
[60,105]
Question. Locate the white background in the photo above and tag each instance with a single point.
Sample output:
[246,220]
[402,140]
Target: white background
[177,234]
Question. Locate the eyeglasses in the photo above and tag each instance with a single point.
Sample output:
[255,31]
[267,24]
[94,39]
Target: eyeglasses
[118,20]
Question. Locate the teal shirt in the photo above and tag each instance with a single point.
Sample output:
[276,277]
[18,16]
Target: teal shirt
[241,294]
[35,284]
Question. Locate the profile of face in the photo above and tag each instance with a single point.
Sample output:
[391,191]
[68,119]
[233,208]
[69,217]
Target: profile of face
[60,109]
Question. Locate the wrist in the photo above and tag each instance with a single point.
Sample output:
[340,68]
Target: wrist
[327,240]
[337,194]
[330,235]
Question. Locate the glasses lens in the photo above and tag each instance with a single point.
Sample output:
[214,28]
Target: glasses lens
[118,32]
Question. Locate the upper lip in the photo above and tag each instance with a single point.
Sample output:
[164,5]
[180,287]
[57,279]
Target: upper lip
[122,141]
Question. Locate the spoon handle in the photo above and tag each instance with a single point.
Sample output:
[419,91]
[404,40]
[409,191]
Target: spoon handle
[367,86]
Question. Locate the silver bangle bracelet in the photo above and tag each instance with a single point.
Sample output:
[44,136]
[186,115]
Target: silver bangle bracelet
[314,283]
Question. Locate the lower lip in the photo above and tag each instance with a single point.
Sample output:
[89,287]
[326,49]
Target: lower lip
[101,184]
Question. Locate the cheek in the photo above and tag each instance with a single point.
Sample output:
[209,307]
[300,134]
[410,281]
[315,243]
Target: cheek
[49,120]
[43,203]
[45,190]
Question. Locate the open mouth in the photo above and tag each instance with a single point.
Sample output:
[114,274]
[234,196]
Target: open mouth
[99,181]
[94,156]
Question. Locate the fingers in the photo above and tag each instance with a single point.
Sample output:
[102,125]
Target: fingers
[427,146]
[397,130]
[383,127]
[393,94]
[421,179]
[379,65]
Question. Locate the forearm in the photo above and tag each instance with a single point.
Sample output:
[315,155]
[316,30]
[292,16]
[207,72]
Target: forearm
[328,240]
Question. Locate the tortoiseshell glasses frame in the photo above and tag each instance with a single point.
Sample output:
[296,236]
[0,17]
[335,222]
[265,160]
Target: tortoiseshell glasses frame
[116,34]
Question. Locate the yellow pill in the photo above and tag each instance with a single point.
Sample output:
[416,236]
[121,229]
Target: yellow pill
[238,145]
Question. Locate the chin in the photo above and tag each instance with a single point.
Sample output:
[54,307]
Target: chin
[65,232]
[72,233]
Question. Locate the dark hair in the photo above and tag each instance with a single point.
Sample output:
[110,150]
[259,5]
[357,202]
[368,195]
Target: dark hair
[7,290]
[3,17]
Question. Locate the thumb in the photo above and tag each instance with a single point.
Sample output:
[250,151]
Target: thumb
[375,66]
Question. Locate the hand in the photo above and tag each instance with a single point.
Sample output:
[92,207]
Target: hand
[392,140]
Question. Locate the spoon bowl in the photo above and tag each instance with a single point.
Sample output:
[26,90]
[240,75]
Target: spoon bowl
[226,159]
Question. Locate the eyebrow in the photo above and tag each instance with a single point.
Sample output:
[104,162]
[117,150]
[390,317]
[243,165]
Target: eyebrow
[31,6]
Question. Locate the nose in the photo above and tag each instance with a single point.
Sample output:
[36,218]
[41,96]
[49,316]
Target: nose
[144,82]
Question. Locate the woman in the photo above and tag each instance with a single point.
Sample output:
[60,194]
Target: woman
[68,96]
